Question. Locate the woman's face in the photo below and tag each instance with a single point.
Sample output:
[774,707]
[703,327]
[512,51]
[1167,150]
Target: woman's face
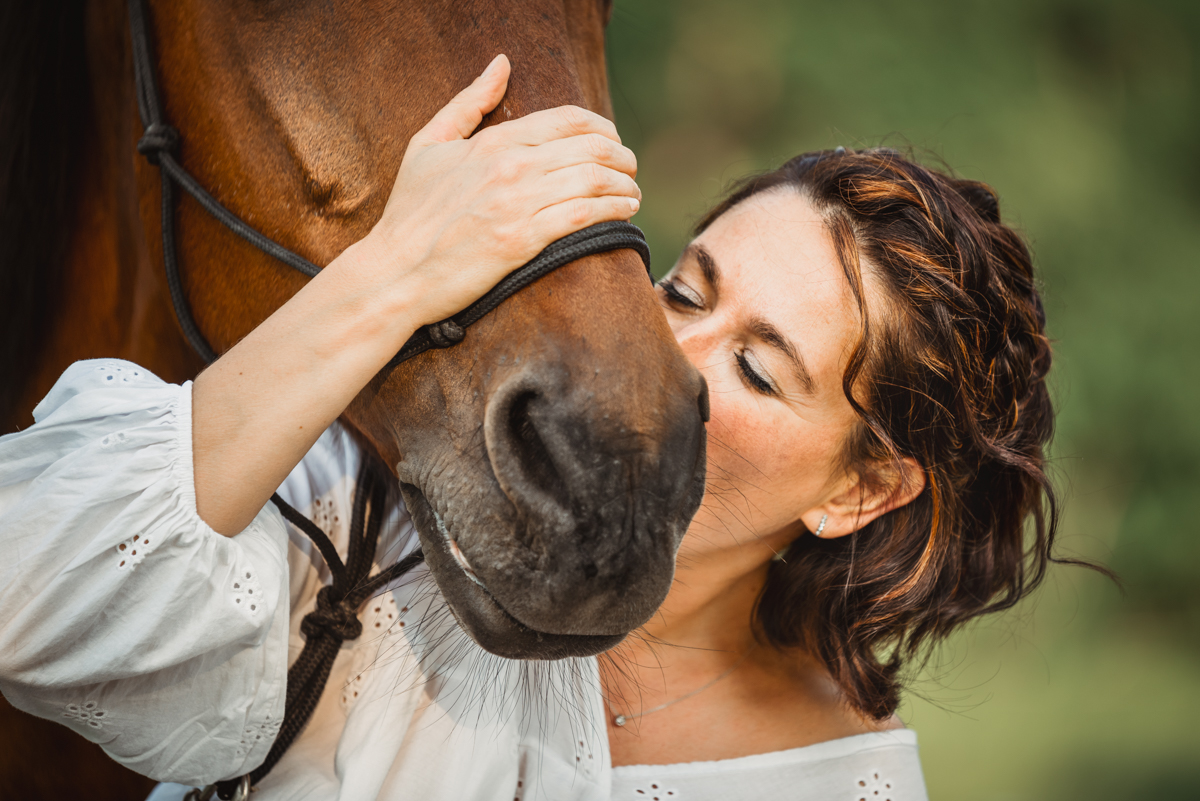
[761,306]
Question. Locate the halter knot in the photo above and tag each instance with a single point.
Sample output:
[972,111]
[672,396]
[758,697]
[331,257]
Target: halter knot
[158,138]
[331,618]
[446,333]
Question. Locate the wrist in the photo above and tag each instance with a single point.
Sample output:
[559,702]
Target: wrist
[378,296]
[388,269]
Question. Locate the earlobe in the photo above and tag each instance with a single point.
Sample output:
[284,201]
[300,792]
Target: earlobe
[867,500]
[824,523]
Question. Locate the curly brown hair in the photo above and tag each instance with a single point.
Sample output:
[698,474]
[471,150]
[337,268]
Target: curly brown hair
[953,377]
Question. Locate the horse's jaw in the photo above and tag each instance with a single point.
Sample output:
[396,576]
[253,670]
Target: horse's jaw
[477,610]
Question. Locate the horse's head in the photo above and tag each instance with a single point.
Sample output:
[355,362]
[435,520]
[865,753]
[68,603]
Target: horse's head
[553,459]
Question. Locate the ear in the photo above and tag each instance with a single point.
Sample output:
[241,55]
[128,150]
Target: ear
[862,499]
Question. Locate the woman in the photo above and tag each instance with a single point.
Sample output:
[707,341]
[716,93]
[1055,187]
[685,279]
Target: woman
[875,352]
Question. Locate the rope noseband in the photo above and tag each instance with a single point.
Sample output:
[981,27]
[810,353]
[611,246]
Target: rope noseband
[335,618]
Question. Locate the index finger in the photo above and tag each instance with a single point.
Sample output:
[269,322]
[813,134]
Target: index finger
[551,124]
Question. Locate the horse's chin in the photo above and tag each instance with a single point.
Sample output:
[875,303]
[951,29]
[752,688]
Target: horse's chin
[477,610]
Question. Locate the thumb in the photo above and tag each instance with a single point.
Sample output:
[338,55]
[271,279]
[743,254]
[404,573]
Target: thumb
[462,115]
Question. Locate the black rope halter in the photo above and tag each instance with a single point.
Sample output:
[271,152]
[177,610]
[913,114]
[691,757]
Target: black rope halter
[335,619]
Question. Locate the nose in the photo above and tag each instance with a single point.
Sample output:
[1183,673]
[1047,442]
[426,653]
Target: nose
[599,488]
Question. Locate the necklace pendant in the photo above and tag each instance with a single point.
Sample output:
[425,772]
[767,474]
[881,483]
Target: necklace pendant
[619,720]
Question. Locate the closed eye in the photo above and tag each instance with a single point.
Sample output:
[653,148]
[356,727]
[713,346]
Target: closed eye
[677,296]
[753,377]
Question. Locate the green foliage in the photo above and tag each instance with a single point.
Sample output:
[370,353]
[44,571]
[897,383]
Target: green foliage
[1084,115]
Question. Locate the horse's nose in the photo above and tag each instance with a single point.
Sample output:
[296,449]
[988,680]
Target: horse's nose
[532,454]
[597,481]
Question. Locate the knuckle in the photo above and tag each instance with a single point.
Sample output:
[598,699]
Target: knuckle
[490,140]
[597,178]
[574,117]
[509,235]
[578,212]
[484,138]
[506,238]
[504,170]
[597,147]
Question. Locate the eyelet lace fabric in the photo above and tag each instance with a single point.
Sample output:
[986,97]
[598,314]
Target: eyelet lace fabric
[877,766]
[246,591]
[120,373]
[125,626]
[381,618]
[585,758]
[88,713]
[874,787]
[263,732]
[131,552]
[656,791]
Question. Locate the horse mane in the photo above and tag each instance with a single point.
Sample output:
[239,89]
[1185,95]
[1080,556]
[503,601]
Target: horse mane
[44,102]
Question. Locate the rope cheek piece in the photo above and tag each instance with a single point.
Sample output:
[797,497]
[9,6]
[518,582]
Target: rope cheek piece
[335,618]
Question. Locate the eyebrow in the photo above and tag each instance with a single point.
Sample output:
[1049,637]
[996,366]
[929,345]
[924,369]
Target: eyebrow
[708,265]
[771,335]
[763,329]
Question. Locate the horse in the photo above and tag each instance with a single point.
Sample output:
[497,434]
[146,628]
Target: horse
[560,446]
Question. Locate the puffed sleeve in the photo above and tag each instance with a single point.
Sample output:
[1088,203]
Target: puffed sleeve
[122,614]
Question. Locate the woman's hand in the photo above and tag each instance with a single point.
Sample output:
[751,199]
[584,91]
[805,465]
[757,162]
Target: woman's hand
[464,212]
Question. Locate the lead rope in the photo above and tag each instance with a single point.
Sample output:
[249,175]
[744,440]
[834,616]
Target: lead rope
[335,619]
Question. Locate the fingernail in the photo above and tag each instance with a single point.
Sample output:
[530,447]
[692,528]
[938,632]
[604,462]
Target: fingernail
[634,205]
[491,67]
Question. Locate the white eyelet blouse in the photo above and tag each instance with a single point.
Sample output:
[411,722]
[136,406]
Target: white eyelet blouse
[126,618]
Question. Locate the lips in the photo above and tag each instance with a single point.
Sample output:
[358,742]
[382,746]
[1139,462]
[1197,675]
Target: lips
[476,609]
[455,551]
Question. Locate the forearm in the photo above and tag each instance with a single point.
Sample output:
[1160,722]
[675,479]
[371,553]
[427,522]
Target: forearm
[263,404]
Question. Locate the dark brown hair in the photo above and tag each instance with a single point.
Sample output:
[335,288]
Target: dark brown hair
[953,376]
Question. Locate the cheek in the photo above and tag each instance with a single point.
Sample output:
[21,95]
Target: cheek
[767,450]
[741,436]
[778,459]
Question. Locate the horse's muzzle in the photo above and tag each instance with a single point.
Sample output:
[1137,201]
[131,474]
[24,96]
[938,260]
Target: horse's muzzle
[602,499]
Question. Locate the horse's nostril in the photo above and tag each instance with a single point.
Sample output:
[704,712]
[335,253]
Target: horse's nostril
[703,401]
[590,570]
[529,447]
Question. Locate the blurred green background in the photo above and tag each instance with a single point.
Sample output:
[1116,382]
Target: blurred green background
[1085,117]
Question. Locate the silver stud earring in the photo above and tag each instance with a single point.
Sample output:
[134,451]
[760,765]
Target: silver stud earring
[821,525]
